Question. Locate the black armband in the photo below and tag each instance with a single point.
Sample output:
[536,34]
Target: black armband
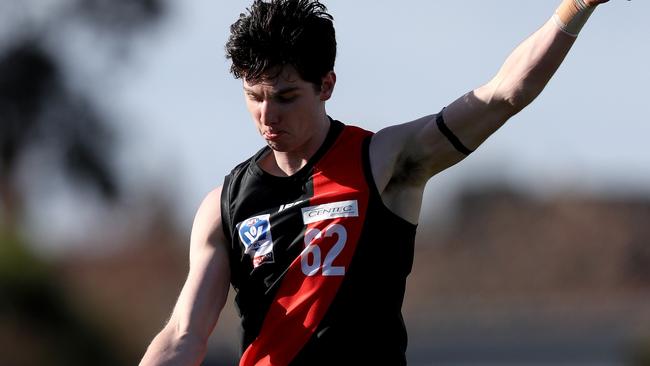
[440,122]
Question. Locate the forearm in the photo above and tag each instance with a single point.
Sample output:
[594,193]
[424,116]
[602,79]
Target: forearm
[183,341]
[531,65]
[171,348]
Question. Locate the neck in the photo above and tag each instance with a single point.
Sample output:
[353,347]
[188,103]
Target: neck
[287,163]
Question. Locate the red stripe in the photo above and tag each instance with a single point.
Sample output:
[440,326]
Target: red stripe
[302,300]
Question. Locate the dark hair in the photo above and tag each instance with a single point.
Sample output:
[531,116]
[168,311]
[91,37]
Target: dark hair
[274,34]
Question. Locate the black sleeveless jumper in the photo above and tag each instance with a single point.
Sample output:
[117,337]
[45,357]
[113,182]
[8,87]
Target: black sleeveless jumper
[318,262]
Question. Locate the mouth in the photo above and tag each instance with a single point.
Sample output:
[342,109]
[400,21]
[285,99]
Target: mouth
[272,135]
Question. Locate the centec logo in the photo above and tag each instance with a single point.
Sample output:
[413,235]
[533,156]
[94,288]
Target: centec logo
[330,211]
[255,234]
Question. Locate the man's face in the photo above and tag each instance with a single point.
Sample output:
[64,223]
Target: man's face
[286,109]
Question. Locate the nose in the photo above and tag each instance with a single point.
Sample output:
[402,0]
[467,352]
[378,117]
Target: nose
[269,113]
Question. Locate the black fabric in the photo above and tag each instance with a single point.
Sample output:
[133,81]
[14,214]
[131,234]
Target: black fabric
[364,323]
[251,191]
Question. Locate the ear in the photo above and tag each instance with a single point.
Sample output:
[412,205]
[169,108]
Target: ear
[327,86]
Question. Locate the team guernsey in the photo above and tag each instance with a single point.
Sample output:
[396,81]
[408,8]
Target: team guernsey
[318,262]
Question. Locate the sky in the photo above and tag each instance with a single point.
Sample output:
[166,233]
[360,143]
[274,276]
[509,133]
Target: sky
[184,123]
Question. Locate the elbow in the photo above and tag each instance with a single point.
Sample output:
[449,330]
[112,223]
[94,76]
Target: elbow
[513,103]
[171,347]
[512,96]
[506,105]
[188,339]
[517,98]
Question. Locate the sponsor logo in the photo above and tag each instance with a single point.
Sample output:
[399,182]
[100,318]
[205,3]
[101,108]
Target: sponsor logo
[330,211]
[289,205]
[255,234]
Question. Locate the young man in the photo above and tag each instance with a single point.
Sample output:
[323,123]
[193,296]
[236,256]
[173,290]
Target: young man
[315,232]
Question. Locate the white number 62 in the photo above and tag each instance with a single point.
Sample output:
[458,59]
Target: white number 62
[310,258]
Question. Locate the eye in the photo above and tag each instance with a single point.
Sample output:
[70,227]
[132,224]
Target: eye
[254,97]
[286,98]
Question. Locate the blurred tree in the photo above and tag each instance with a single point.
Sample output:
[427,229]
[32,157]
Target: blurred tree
[41,114]
[640,354]
[32,82]
[120,15]
[38,324]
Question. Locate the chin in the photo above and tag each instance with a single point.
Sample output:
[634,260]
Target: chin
[278,147]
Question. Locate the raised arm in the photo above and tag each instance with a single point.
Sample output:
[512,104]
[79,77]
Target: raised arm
[404,157]
[183,339]
[523,76]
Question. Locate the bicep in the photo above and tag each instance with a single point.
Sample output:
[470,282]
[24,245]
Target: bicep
[475,116]
[434,145]
[478,114]
[206,288]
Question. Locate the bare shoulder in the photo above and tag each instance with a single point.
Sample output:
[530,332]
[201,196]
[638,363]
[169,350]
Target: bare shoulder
[403,158]
[398,155]
[207,227]
[400,178]
[385,153]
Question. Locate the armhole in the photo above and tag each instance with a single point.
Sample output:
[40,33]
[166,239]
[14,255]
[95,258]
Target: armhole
[372,186]
[225,209]
[367,168]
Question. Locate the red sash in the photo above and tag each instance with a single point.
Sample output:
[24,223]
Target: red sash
[311,282]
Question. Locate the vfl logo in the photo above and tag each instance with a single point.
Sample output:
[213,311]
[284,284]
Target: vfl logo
[255,234]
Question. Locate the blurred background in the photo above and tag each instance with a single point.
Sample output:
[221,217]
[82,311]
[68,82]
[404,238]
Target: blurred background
[118,116]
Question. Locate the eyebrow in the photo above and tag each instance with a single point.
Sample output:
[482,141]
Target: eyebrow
[285,90]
